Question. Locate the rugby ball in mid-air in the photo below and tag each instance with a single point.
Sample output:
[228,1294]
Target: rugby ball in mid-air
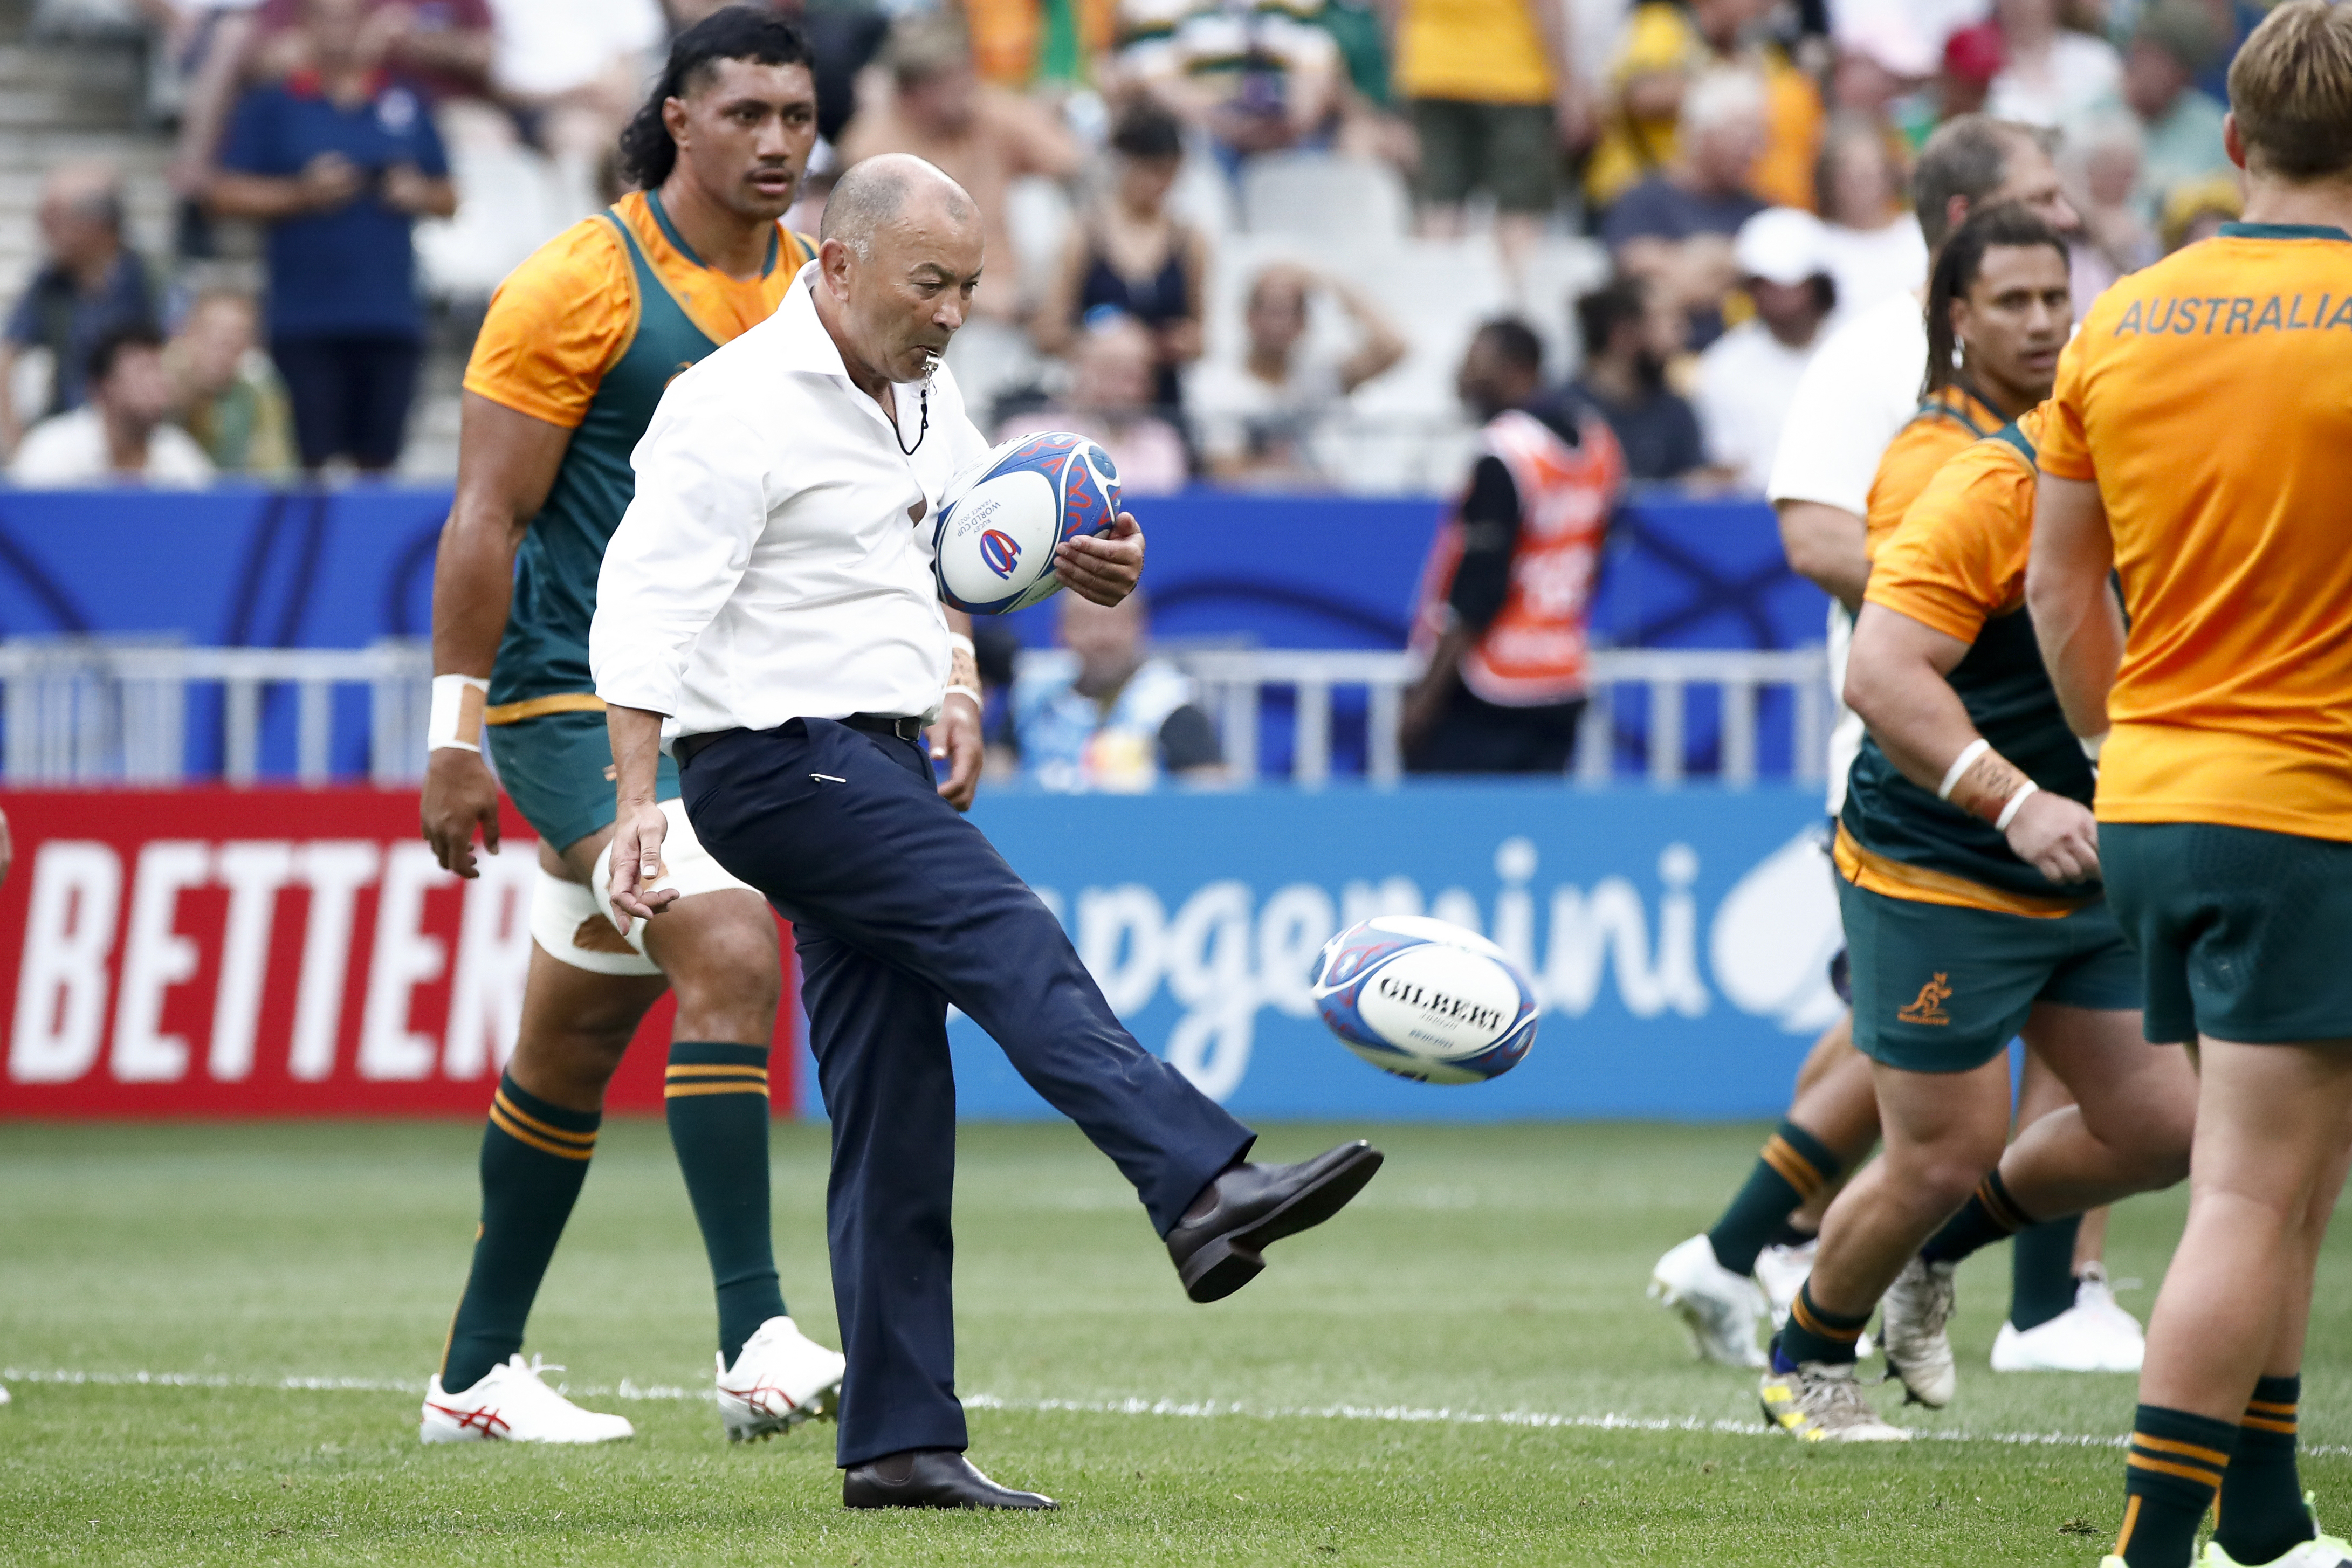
[1425,999]
[992,546]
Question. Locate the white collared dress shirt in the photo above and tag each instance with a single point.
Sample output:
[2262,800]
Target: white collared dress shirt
[776,561]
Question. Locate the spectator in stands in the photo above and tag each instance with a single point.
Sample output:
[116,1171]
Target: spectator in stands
[983,136]
[1111,402]
[438,49]
[338,163]
[1628,339]
[88,284]
[2180,124]
[1748,378]
[2103,161]
[1871,242]
[202,52]
[119,435]
[570,75]
[1506,595]
[1973,56]
[1255,75]
[1130,254]
[2198,210]
[1370,126]
[1495,92]
[1881,54]
[1675,229]
[1255,418]
[1666,47]
[2053,74]
[1107,716]
[226,393]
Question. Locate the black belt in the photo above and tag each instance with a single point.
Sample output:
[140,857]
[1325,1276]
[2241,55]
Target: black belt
[898,726]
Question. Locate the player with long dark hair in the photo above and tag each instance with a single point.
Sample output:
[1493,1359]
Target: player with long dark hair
[1968,881]
[577,347]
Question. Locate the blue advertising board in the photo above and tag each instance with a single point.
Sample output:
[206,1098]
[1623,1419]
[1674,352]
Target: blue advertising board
[1679,940]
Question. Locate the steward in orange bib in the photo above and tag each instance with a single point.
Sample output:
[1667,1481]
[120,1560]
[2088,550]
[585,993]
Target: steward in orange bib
[1507,590]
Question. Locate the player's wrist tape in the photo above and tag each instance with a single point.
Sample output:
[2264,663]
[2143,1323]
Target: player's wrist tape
[2016,804]
[1960,764]
[2091,743]
[964,692]
[455,719]
[959,643]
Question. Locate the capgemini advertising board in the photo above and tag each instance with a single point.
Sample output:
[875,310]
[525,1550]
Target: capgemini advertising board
[1680,940]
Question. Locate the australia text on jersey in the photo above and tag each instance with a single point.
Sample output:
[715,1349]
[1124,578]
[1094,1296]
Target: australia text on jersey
[2227,314]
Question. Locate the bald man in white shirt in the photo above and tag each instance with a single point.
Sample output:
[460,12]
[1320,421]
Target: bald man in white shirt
[769,600]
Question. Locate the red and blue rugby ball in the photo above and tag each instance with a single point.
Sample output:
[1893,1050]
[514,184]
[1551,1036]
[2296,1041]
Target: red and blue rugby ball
[992,545]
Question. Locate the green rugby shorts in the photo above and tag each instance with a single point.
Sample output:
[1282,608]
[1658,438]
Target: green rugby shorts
[1942,990]
[2242,934]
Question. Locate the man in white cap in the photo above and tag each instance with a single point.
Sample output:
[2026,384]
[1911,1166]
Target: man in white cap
[1748,378]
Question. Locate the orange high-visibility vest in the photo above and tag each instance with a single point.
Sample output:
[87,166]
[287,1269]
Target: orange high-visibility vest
[1533,653]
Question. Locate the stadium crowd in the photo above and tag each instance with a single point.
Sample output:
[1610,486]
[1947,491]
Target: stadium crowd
[1213,225]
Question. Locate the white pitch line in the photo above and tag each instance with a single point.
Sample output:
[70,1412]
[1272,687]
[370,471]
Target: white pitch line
[629,1389]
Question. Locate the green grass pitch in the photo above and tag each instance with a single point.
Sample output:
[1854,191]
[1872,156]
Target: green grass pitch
[1420,1381]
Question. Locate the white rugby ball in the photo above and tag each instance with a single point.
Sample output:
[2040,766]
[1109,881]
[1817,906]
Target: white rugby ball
[1425,999]
[992,546]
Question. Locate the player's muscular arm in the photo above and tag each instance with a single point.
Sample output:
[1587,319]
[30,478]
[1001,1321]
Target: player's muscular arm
[1896,680]
[2075,619]
[1827,546]
[506,463]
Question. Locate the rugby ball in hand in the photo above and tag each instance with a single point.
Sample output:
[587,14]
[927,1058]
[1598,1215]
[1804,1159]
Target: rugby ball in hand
[992,546]
[1425,999]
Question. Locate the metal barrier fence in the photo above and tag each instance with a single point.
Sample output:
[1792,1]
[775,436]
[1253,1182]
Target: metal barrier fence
[98,711]
[81,710]
[1233,682]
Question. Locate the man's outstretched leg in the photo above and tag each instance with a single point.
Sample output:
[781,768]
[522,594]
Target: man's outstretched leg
[844,832]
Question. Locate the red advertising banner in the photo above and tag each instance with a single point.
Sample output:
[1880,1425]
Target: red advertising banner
[269,952]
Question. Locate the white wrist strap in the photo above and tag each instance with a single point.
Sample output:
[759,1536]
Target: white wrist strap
[959,643]
[455,719]
[2009,812]
[964,691]
[1969,754]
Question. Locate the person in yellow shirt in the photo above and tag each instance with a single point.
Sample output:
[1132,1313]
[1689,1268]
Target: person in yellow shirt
[2200,445]
[1666,47]
[1495,94]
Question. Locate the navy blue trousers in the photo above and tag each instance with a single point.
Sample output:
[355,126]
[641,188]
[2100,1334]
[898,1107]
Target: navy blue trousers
[900,907]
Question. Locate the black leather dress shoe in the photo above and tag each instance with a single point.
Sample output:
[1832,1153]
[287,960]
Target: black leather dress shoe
[928,1477]
[1217,1245]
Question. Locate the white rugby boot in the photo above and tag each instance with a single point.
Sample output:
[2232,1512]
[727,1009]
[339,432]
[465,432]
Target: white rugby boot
[2093,1335]
[1822,1404]
[780,1379]
[2324,1552]
[1718,1308]
[1917,1307]
[510,1404]
[1781,1272]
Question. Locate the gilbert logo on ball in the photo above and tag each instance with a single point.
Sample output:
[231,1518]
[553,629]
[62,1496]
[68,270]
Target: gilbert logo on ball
[993,541]
[1425,999]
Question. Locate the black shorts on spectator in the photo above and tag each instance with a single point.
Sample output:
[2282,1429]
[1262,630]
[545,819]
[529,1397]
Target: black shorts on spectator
[351,396]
